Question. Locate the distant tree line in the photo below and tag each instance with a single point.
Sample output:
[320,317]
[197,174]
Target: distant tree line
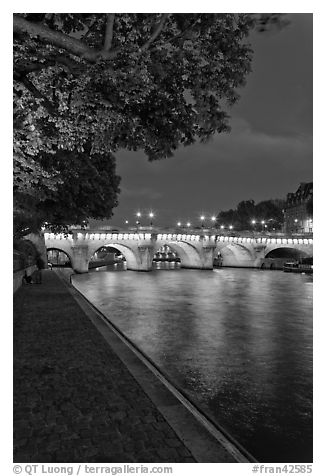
[247,212]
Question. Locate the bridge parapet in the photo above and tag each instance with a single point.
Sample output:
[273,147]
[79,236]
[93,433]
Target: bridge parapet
[191,234]
[265,240]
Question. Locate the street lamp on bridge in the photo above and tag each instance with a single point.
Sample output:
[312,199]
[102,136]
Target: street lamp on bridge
[151,216]
[202,219]
[296,225]
[138,215]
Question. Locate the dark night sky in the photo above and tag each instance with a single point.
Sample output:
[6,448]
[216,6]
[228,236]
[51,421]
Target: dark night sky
[266,155]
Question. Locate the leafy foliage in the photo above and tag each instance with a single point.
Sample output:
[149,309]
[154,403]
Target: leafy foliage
[89,190]
[90,84]
[25,254]
[271,211]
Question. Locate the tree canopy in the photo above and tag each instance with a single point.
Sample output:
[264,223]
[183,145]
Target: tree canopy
[87,85]
[269,211]
[89,189]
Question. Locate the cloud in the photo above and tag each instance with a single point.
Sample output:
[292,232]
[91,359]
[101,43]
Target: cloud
[244,140]
[246,145]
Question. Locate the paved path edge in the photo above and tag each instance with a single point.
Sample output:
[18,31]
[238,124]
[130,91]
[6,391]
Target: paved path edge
[203,439]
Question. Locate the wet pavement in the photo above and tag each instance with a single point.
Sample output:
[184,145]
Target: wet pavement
[74,399]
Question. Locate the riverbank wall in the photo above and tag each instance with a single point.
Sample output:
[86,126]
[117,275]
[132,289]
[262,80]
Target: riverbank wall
[18,276]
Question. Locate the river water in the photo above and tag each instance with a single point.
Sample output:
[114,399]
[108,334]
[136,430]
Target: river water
[237,342]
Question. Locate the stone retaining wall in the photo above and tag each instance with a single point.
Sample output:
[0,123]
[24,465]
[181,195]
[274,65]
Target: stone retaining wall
[18,276]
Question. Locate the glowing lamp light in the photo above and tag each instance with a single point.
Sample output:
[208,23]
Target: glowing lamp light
[230,227]
[253,222]
[179,223]
[188,224]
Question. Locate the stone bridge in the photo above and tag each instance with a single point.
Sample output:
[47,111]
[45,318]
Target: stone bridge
[196,249]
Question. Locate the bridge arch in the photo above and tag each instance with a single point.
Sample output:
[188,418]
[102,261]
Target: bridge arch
[132,258]
[234,254]
[103,249]
[188,253]
[275,257]
[166,252]
[287,253]
[55,259]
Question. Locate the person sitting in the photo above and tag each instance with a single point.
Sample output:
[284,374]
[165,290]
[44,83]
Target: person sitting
[27,279]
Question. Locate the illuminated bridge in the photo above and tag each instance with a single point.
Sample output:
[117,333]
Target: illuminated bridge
[196,249]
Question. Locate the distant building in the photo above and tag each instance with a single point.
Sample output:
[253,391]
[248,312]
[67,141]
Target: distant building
[298,216]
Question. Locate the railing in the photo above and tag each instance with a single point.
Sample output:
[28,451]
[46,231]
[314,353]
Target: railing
[194,231]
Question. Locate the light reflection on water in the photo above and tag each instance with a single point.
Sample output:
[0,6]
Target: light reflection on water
[237,341]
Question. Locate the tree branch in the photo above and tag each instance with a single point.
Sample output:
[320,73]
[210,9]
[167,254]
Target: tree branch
[23,69]
[36,93]
[156,32]
[108,31]
[61,40]
[90,30]
[70,66]
[182,33]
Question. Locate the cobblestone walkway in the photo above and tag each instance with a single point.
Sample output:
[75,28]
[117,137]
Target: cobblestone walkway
[74,400]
